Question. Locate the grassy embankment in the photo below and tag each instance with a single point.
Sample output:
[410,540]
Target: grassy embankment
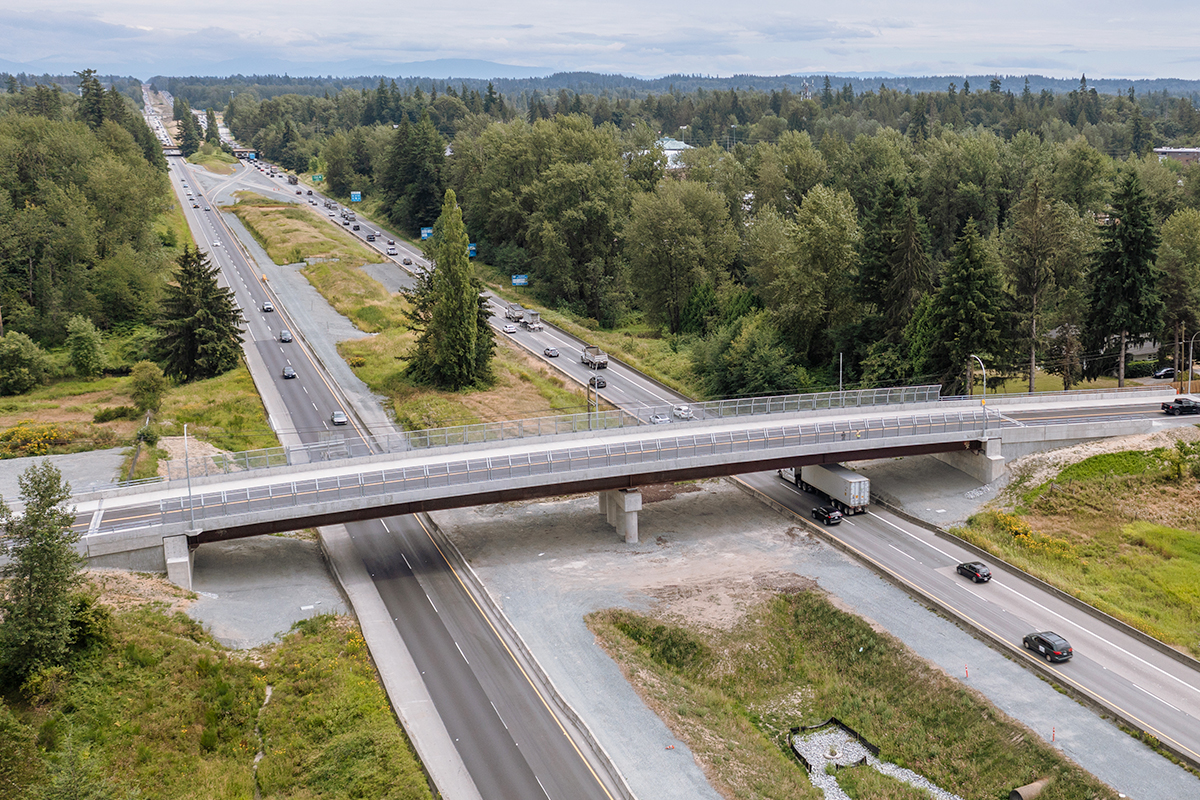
[165,711]
[214,159]
[797,660]
[1118,531]
[524,387]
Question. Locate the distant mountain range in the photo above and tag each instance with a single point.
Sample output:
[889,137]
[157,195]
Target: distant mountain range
[510,78]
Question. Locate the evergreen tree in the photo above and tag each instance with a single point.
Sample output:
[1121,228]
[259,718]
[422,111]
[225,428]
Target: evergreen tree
[212,133]
[200,333]
[91,99]
[189,139]
[966,317]
[36,607]
[446,311]
[1125,303]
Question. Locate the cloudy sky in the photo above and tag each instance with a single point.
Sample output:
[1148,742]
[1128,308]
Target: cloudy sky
[1102,38]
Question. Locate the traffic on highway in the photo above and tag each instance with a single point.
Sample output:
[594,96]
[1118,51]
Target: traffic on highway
[511,744]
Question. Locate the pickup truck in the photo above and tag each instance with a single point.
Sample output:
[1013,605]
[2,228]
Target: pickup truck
[1181,405]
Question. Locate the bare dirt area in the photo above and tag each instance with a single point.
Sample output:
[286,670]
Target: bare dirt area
[121,590]
[203,456]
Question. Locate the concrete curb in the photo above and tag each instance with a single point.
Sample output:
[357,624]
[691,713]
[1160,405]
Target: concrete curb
[1002,645]
[599,756]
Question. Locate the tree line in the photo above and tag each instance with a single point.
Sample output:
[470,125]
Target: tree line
[82,250]
[840,227]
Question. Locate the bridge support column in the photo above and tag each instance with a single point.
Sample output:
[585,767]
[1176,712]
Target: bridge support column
[620,507]
[984,465]
[179,560]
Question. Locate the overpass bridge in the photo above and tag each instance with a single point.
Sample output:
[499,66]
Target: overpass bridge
[149,527]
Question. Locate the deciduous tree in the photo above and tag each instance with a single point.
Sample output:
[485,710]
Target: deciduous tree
[86,347]
[678,237]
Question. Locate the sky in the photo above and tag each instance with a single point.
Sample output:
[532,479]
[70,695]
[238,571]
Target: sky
[1102,38]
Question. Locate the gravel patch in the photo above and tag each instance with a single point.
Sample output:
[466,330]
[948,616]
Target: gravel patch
[833,745]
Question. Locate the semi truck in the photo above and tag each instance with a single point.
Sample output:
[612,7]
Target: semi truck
[293,180]
[594,357]
[848,491]
[533,320]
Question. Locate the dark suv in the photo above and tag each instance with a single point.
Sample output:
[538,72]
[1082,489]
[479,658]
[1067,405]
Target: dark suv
[826,515]
[975,571]
[1050,645]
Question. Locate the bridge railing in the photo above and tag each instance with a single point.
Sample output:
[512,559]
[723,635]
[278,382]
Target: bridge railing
[336,446]
[717,409]
[460,469]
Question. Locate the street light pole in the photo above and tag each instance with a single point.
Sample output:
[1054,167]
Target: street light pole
[1191,364]
[188,468]
[984,403]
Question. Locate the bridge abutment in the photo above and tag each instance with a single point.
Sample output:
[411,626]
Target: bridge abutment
[984,465]
[620,507]
[178,556]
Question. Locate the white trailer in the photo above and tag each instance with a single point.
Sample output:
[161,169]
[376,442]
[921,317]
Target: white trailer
[849,492]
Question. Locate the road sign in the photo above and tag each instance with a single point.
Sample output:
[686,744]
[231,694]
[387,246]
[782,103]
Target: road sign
[318,177]
[356,197]
[426,233]
[520,280]
[471,250]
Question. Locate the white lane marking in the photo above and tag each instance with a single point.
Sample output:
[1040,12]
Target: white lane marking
[901,552]
[430,599]
[1156,697]
[410,569]
[383,522]
[502,722]
[305,388]
[314,405]
[1099,638]
[460,652]
[913,536]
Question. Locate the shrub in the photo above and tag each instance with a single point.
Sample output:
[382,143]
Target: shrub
[23,365]
[116,412]
[1140,369]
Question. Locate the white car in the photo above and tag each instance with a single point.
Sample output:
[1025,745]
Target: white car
[683,412]
[510,328]
[659,419]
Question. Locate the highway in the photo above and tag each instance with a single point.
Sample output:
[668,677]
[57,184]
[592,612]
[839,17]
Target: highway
[1118,671]
[511,744]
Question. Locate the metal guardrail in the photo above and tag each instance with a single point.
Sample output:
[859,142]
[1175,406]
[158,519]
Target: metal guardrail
[462,471]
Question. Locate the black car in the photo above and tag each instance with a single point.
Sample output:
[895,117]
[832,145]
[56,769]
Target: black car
[975,571]
[1050,645]
[598,382]
[289,372]
[826,515]
[285,336]
[1165,372]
